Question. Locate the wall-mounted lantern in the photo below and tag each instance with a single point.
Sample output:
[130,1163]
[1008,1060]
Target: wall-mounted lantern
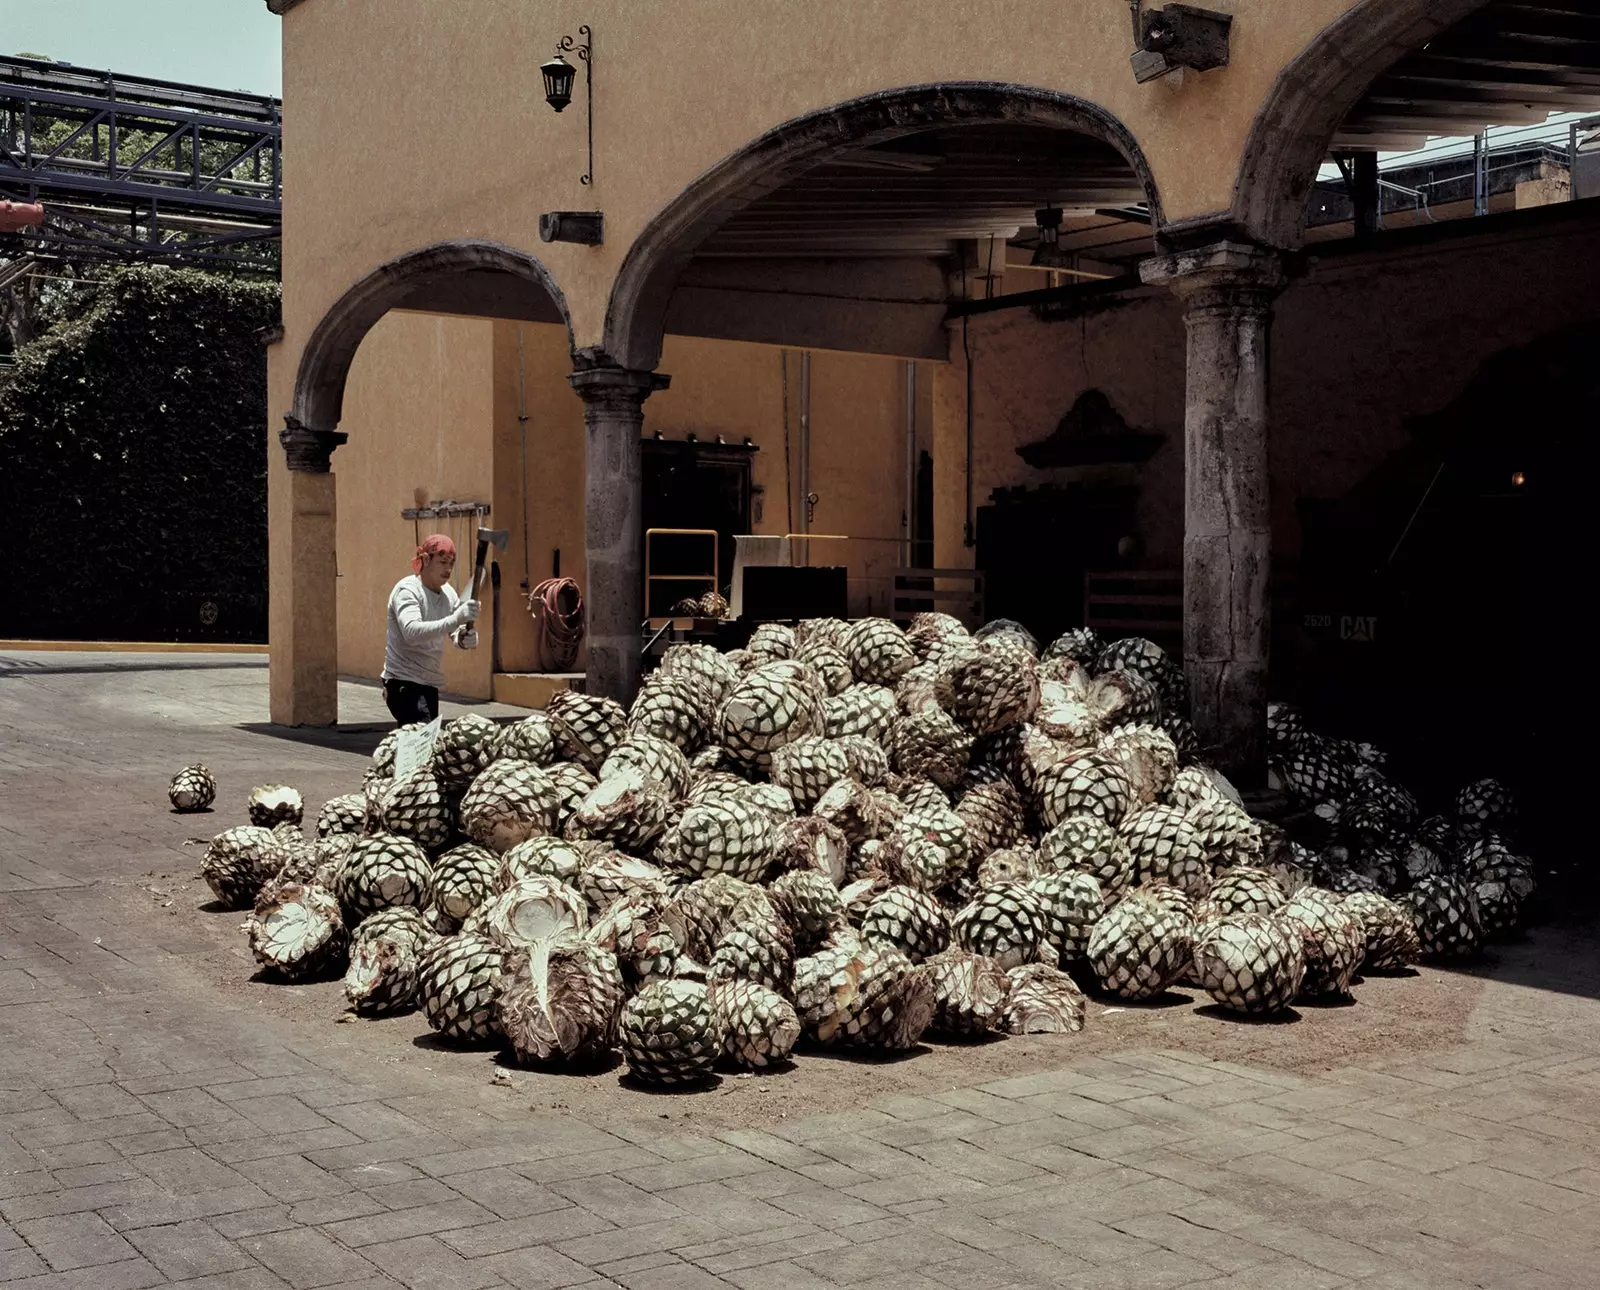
[559,75]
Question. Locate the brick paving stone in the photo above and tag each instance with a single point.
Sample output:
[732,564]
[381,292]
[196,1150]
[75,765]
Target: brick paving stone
[827,1208]
[779,1276]
[532,1229]
[647,1238]
[187,1250]
[305,1258]
[399,1225]
[872,1259]
[537,1268]
[507,1193]
[17,1264]
[425,1263]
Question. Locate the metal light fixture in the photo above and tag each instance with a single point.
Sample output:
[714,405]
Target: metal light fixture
[1176,36]
[559,76]
[1048,254]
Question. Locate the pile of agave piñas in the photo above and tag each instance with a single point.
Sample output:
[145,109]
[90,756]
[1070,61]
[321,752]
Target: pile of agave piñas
[853,835]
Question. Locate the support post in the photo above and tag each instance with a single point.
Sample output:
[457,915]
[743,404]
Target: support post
[304,629]
[613,413]
[1227,292]
[1367,194]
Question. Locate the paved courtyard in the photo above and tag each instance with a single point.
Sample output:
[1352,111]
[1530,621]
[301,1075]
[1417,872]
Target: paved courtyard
[165,1120]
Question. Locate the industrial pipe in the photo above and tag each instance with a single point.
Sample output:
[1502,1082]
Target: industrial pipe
[15,216]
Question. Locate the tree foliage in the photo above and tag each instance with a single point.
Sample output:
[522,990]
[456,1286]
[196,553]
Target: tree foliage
[133,437]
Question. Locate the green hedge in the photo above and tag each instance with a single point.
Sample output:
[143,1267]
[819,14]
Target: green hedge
[133,463]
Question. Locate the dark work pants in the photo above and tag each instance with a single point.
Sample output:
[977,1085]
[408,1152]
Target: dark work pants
[409,702]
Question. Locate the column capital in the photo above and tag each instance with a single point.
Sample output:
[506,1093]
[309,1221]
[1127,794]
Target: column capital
[1249,276]
[616,389]
[307,449]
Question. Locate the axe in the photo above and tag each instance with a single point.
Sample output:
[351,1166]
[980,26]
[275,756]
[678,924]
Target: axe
[467,637]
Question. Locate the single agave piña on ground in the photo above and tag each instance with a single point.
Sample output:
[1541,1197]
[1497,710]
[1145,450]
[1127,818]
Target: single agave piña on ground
[1249,962]
[509,802]
[669,1034]
[463,878]
[1389,929]
[296,931]
[463,749]
[1042,1000]
[969,992]
[1333,939]
[759,1027]
[559,1004]
[1142,945]
[193,788]
[239,861]
[386,952]
[381,871]
[416,806]
[457,981]
[346,813]
[274,804]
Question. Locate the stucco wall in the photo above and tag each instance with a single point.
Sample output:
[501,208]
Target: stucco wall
[419,410]
[678,88]
[1360,346]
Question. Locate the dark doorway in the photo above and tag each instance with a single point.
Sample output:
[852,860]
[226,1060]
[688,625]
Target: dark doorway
[1036,544]
[692,485]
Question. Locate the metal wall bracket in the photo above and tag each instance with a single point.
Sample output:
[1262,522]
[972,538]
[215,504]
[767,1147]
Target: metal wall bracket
[587,228]
[1180,35]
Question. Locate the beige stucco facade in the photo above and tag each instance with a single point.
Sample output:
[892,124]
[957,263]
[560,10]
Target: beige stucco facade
[422,154]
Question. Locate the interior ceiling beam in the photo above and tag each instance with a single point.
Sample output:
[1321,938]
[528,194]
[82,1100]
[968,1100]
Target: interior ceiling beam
[1488,98]
[1528,22]
[1447,119]
[1456,71]
[1518,52]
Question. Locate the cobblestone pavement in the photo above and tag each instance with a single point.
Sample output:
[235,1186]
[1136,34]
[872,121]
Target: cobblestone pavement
[157,1130]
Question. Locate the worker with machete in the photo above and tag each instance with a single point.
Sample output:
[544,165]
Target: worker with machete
[423,611]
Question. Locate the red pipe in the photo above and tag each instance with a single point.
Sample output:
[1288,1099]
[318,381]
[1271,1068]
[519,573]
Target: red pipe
[20,215]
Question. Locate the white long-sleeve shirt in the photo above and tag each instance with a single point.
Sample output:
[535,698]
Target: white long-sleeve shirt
[419,624]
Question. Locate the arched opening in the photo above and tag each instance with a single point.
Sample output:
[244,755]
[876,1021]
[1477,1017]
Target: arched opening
[1391,74]
[476,279]
[902,175]
[849,241]
[1437,498]
[430,370]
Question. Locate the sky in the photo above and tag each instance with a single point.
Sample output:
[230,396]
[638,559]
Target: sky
[221,44]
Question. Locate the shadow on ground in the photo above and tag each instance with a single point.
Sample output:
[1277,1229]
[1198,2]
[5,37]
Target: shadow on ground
[1560,958]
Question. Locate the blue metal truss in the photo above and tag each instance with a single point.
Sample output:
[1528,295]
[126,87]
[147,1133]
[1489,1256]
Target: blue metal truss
[138,169]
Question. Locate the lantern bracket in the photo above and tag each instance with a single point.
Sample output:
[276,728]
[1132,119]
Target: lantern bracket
[582,47]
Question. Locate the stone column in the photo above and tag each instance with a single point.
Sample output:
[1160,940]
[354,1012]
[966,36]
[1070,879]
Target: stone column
[1227,292]
[304,627]
[613,412]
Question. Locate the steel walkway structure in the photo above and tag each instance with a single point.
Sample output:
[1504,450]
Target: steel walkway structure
[130,168]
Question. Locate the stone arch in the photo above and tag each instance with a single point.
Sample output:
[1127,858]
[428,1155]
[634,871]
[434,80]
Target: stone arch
[1312,96]
[463,277]
[654,263]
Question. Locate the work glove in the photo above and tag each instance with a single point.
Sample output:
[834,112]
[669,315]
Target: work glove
[466,638]
[465,612]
